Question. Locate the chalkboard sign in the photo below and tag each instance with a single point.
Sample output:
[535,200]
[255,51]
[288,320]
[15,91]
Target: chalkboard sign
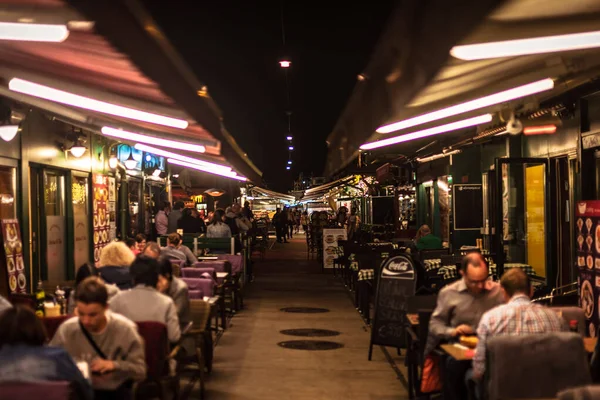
[397,281]
[467,205]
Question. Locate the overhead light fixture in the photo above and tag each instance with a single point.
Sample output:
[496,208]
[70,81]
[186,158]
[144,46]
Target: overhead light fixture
[77,150]
[289,162]
[33,32]
[438,156]
[486,101]
[130,163]
[227,174]
[285,63]
[522,47]
[539,130]
[215,192]
[113,162]
[174,144]
[289,138]
[8,132]
[465,123]
[165,153]
[287,167]
[291,148]
[60,96]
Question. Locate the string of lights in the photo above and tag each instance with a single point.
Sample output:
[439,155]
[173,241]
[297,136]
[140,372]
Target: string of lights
[285,63]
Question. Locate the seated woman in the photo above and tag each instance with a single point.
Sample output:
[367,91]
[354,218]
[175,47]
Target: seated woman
[83,272]
[425,240]
[115,259]
[25,358]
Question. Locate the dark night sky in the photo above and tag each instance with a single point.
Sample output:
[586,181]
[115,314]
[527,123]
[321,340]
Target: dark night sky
[234,48]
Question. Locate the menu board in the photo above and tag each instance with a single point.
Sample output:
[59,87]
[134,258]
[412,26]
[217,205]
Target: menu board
[101,214]
[13,252]
[468,206]
[587,232]
[397,282]
[330,245]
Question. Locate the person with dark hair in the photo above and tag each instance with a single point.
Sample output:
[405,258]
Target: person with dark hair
[152,250]
[459,308]
[190,223]
[110,337]
[176,289]
[175,216]
[85,271]
[134,303]
[25,358]
[140,240]
[176,250]
[519,316]
[425,240]
[217,227]
[132,244]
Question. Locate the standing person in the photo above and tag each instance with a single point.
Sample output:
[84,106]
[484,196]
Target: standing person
[247,212]
[353,223]
[175,216]
[291,221]
[277,224]
[304,221]
[283,220]
[162,219]
[111,339]
[297,216]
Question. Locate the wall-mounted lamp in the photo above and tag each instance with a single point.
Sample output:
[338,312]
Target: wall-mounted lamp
[8,132]
[9,123]
[78,149]
[130,163]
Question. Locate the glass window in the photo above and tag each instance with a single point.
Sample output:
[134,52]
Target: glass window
[8,183]
[54,205]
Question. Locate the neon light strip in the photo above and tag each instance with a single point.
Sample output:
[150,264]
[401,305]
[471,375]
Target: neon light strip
[33,32]
[231,174]
[59,96]
[496,98]
[522,47]
[465,123]
[121,134]
[164,153]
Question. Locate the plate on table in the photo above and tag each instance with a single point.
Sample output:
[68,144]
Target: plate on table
[587,299]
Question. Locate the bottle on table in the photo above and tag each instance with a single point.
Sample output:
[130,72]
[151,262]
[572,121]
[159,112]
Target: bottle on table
[60,300]
[40,297]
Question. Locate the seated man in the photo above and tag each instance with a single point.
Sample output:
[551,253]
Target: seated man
[151,250]
[425,240]
[460,306]
[111,339]
[176,250]
[144,302]
[176,289]
[518,317]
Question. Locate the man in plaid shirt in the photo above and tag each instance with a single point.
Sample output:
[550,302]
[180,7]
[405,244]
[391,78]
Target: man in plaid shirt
[518,317]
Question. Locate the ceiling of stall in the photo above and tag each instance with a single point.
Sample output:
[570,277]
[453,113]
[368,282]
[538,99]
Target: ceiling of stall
[458,81]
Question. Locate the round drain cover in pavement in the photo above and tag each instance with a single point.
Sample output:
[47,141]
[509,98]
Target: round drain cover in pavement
[305,310]
[308,332]
[310,345]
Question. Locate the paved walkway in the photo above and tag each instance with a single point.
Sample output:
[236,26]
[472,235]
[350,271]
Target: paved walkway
[250,365]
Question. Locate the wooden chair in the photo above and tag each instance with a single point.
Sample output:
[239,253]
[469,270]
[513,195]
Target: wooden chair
[193,365]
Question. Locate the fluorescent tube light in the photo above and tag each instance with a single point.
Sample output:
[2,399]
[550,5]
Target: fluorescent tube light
[226,174]
[59,96]
[438,156]
[169,154]
[465,123]
[33,32]
[121,134]
[522,47]
[8,132]
[539,130]
[486,101]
